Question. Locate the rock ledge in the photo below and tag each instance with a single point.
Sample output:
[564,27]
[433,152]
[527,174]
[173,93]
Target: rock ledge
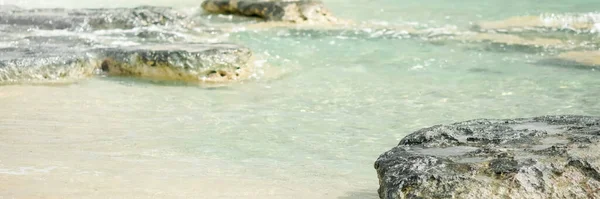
[541,157]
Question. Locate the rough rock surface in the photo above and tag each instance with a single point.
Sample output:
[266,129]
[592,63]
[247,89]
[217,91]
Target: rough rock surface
[273,10]
[32,51]
[92,19]
[45,59]
[541,157]
[43,67]
[184,62]
[195,63]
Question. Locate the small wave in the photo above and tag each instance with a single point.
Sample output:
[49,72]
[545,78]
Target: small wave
[573,22]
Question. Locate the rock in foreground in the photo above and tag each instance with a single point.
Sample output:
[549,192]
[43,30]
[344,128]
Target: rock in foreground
[43,67]
[542,157]
[210,63]
[273,10]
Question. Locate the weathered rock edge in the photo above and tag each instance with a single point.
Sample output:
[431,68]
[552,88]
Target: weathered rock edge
[296,11]
[541,157]
[188,62]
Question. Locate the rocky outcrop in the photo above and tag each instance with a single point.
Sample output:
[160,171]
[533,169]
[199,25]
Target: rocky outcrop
[45,59]
[541,157]
[296,11]
[42,55]
[92,19]
[194,63]
[17,66]
[206,63]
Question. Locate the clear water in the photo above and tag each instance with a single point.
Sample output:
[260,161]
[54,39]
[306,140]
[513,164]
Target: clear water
[313,132]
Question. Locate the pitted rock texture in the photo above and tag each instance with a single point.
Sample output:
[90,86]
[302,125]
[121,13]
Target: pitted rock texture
[189,62]
[194,63]
[541,157]
[47,56]
[273,10]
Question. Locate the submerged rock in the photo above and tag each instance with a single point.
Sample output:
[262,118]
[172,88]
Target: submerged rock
[208,63]
[541,157]
[273,10]
[581,58]
[92,19]
[494,41]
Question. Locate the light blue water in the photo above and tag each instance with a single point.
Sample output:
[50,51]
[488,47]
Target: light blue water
[345,97]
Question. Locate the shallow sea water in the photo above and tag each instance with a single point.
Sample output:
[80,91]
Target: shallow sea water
[313,131]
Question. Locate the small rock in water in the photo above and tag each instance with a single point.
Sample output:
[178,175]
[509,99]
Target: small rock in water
[209,63]
[273,10]
[541,157]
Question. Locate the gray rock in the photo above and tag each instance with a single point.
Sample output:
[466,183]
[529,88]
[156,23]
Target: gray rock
[91,19]
[541,157]
[48,59]
[273,10]
[205,63]
[31,66]
[45,59]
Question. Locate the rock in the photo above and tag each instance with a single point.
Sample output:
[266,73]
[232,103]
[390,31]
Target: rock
[93,19]
[273,10]
[541,157]
[46,56]
[203,63]
[29,66]
[45,59]
[68,58]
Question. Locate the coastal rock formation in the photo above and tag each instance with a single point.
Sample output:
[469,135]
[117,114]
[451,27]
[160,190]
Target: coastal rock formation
[208,63]
[45,59]
[43,55]
[273,10]
[194,63]
[23,65]
[92,19]
[541,157]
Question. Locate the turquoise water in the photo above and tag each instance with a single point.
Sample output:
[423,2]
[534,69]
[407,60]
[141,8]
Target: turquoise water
[341,99]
